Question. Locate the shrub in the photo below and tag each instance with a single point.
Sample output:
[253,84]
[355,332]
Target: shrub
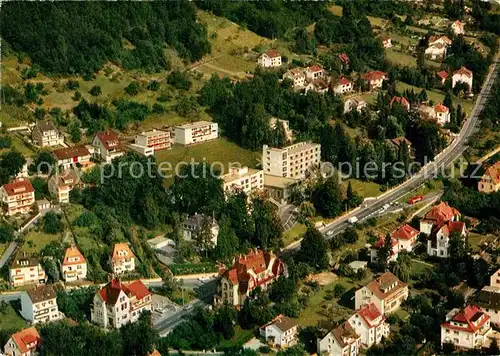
[132,89]
[179,80]
[52,223]
[95,90]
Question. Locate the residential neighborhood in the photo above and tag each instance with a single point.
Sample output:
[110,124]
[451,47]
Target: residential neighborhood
[250,178]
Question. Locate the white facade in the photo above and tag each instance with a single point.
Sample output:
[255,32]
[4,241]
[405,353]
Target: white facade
[108,146]
[343,86]
[74,265]
[45,134]
[371,330]
[280,332]
[155,139]
[297,76]
[467,328]
[17,197]
[143,150]
[39,305]
[122,260]
[357,104]
[245,179]
[23,343]
[270,59]
[196,132]
[341,341]
[192,226]
[292,161]
[462,75]
[458,28]
[26,270]
[437,51]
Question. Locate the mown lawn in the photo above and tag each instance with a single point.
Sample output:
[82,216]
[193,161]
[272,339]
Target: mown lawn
[240,337]
[18,145]
[363,188]
[11,320]
[294,233]
[400,58]
[36,240]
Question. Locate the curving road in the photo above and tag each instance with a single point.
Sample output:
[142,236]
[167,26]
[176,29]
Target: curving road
[429,171]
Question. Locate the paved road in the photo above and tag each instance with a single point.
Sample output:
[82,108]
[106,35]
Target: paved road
[429,171]
[166,324]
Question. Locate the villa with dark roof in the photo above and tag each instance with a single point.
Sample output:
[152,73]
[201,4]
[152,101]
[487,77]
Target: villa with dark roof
[255,269]
[386,292]
[117,304]
[280,332]
[342,340]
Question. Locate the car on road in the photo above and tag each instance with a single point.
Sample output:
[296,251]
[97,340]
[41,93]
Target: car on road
[188,307]
[416,199]
[204,279]
[352,220]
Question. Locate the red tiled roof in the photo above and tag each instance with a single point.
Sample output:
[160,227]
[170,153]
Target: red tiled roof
[494,173]
[320,84]
[70,152]
[20,186]
[401,100]
[369,313]
[72,252]
[452,226]
[381,242]
[109,139]
[442,74]
[375,75]
[344,58]
[441,213]
[273,53]
[437,38]
[315,68]
[440,108]
[27,337]
[463,71]
[137,288]
[469,317]
[405,232]
[345,334]
[386,280]
[344,81]
[111,291]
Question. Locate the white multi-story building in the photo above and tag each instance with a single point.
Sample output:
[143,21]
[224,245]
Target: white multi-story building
[243,179]
[122,259]
[457,27]
[270,59]
[193,225]
[351,104]
[72,156]
[26,269]
[297,76]
[438,243]
[386,292]
[117,304]
[488,299]
[437,216]
[74,265]
[466,328]
[38,305]
[343,86]
[406,236]
[196,132]
[341,341]
[370,324]
[291,161]
[45,134]
[108,146]
[60,185]
[280,332]
[315,72]
[155,139]
[17,197]
[374,79]
[463,75]
[23,343]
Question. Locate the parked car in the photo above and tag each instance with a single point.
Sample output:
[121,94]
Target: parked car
[416,199]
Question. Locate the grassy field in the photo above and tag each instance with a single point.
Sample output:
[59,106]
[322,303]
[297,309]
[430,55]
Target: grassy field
[294,233]
[336,10]
[419,267]
[18,145]
[36,240]
[11,320]
[240,337]
[400,58]
[477,240]
[363,188]
[3,247]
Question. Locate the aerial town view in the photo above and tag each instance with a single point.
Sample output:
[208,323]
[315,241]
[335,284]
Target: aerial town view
[271,177]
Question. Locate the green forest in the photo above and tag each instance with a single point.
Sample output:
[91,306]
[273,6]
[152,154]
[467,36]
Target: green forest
[78,38]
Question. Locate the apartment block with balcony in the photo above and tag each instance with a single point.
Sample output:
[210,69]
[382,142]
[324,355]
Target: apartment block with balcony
[156,140]
[196,132]
[108,146]
[76,156]
[38,305]
[370,324]
[386,292]
[45,134]
[26,269]
[60,185]
[74,265]
[341,341]
[17,197]
[291,161]
[243,179]
[122,260]
[117,303]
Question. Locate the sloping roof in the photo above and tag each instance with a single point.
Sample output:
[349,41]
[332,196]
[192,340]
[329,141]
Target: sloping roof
[468,317]
[401,100]
[440,108]
[441,213]
[41,293]
[405,232]
[24,260]
[44,126]
[154,353]
[27,337]
[375,75]
[21,186]
[344,81]
[111,291]
[489,298]
[68,177]
[295,72]
[369,313]
[437,38]
[315,68]
[381,242]
[463,71]
[493,172]
[442,74]
[399,140]
[319,84]
[282,322]
[72,253]
[273,53]
[121,247]
[384,282]
[344,333]
[344,58]
[136,288]
[109,140]
[70,152]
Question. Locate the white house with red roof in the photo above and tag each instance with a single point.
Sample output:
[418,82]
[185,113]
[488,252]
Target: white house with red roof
[23,343]
[490,181]
[466,328]
[256,269]
[280,332]
[437,48]
[318,86]
[375,78]
[297,76]
[370,324]
[386,42]
[108,146]
[343,340]
[271,58]
[117,303]
[74,265]
[60,185]
[123,259]
[343,86]
[357,104]
[457,27]
[463,75]
[406,236]
[72,156]
[437,216]
[442,114]
[387,292]
[344,60]
[438,243]
[401,100]
[440,39]
[315,72]
[381,243]
[17,197]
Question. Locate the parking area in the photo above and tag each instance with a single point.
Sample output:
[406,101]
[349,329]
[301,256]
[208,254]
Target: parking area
[162,307]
